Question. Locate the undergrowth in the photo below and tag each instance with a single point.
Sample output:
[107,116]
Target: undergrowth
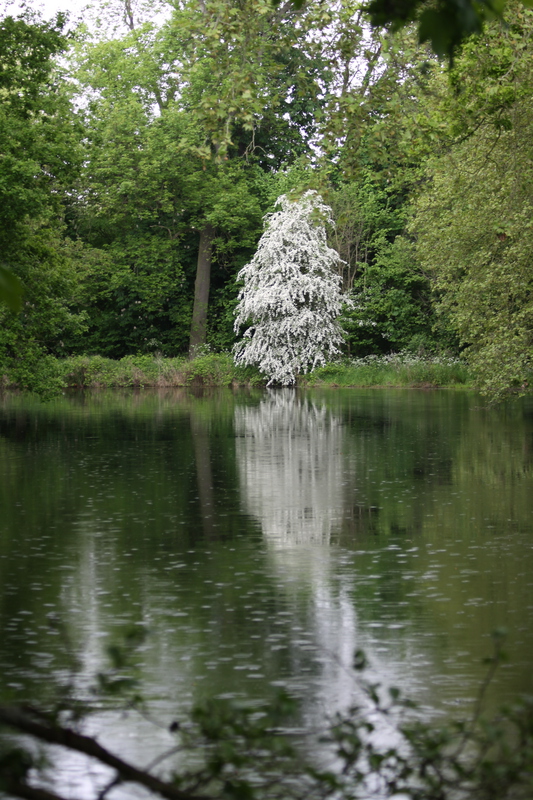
[396,369]
[218,369]
[137,371]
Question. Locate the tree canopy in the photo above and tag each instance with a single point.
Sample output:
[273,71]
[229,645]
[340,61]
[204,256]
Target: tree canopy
[140,156]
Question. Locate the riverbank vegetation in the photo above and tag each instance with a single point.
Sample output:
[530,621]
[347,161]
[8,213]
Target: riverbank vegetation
[219,369]
[393,370]
[142,152]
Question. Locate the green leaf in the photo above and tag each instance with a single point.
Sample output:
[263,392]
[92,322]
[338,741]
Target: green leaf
[10,289]
[440,29]
[359,660]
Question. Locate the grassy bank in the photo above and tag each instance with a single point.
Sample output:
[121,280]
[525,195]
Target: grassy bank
[394,370]
[211,370]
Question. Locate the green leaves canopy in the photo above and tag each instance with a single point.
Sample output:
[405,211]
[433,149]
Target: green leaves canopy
[473,220]
[40,156]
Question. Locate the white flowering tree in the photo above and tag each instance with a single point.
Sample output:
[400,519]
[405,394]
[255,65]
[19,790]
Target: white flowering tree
[291,298]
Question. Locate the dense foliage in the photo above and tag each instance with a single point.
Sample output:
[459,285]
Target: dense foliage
[141,152]
[473,222]
[40,156]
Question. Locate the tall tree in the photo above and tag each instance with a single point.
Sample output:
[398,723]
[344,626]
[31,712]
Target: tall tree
[249,88]
[185,118]
[379,130]
[473,218]
[40,157]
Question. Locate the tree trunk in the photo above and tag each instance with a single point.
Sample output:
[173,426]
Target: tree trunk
[201,290]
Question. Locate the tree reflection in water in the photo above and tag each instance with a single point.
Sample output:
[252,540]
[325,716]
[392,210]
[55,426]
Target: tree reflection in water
[289,451]
[291,465]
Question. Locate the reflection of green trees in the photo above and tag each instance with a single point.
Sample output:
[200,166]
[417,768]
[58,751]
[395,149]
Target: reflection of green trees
[416,454]
[85,483]
[440,513]
[106,450]
[120,485]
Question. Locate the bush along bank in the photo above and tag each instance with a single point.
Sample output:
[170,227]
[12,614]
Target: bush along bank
[140,371]
[218,369]
[211,369]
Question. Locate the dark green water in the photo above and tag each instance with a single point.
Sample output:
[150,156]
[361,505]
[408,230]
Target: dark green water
[260,539]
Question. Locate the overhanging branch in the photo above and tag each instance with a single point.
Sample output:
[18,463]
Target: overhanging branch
[30,722]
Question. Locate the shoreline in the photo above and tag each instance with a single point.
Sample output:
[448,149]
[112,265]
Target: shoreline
[55,375]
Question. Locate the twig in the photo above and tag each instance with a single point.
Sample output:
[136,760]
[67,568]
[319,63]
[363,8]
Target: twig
[110,785]
[163,756]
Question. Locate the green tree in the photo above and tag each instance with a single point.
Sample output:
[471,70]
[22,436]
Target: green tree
[145,201]
[253,92]
[40,156]
[473,217]
[379,131]
[186,121]
[391,296]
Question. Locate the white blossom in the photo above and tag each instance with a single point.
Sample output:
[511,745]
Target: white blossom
[291,297]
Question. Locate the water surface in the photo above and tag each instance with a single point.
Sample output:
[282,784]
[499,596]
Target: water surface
[260,539]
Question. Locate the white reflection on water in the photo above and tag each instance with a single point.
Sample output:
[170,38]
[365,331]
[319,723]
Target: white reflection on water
[126,733]
[290,460]
[290,467]
[292,470]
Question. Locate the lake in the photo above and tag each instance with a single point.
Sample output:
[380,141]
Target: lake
[259,538]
